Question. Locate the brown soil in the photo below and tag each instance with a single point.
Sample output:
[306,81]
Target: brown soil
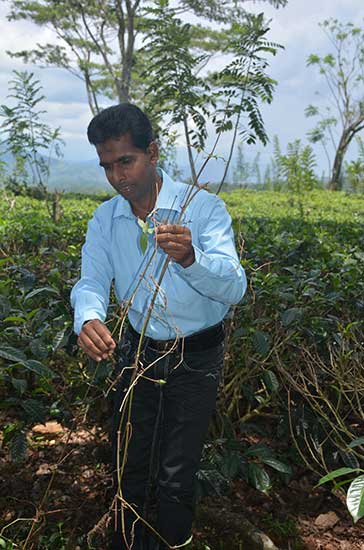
[80,491]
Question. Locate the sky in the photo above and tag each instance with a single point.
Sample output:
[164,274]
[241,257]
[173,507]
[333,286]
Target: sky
[295,27]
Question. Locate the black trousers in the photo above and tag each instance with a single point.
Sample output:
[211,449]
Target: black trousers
[170,412]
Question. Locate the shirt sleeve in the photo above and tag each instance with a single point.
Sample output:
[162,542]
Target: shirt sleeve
[90,296]
[216,272]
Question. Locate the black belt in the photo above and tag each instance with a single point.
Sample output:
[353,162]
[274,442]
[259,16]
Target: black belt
[199,341]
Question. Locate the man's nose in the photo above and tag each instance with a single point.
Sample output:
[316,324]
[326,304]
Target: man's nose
[118,172]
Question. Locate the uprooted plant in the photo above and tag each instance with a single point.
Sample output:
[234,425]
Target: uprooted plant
[243,81]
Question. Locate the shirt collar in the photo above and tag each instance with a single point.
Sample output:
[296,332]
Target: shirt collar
[170,197]
[122,208]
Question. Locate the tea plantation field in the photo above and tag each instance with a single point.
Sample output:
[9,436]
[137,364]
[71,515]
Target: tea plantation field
[305,274]
[295,345]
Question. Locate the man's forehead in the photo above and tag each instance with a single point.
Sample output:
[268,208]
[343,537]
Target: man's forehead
[118,147]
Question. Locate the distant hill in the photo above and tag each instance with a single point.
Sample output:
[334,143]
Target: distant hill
[79,177]
[88,177]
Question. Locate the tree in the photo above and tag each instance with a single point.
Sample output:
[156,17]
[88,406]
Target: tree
[175,89]
[256,169]
[98,40]
[242,169]
[297,168]
[343,71]
[274,177]
[30,140]
[246,172]
[228,98]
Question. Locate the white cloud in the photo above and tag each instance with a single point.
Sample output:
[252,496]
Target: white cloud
[297,23]
[295,26]
[19,35]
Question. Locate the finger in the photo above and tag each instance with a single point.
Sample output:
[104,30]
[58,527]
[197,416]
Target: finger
[90,348]
[173,237]
[172,228]
[96,330]
[97,340]
[91,333]
[174,248]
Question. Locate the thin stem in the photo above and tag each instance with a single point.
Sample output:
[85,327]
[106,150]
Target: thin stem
[189,149]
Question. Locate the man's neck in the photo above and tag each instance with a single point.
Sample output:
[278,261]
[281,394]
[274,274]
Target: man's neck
[142,208]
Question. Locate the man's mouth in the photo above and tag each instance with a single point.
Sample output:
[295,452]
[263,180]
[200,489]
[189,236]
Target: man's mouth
[124,187]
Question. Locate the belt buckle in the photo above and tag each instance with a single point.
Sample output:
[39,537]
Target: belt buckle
[162,346]
[157,345]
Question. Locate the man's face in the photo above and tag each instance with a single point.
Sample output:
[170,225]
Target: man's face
[130,171]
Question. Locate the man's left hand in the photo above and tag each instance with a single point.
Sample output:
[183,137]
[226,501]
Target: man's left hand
[176,241]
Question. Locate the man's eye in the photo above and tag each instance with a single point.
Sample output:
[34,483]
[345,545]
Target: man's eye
[126,160]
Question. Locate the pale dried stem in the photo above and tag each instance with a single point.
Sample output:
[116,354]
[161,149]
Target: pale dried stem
[334,401]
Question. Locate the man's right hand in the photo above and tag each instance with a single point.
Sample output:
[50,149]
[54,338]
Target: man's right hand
[95,339]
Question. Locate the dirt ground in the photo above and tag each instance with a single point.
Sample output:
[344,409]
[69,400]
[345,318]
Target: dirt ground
[73,469]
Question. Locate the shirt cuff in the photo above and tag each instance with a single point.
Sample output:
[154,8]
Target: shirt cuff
[86,316]
[196,270]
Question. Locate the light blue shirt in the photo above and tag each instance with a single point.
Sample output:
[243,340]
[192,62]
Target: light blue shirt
[189,299]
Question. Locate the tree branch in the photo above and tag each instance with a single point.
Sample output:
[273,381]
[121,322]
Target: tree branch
[102,51]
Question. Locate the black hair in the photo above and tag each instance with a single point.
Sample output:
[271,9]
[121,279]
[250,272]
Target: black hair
[118,120]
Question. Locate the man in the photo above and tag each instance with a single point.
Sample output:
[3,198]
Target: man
[170,252]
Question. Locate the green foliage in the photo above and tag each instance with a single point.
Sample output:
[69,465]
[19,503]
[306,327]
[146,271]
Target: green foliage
[229,98]
[273,178]
[27,137]
[227,459]
[18,446]
[55,540]
[173,68]
[355,169]
[304,303]
[355,494]
[84,46]
[146,231]
[6,544]
[355,498]
[283,529]
[241,173]
[243,82]
[306,299]
[222,10]
[165,75]
[355,175]
[296,169]
[35,313]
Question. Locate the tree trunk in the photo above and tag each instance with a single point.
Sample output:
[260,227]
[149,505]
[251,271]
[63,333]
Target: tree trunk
[346,138]
[57,210]
[189,151]
[127,59]
[123,92]
[344,142]
[91,94]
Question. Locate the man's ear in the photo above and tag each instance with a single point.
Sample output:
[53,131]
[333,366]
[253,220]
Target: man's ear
[153,152]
